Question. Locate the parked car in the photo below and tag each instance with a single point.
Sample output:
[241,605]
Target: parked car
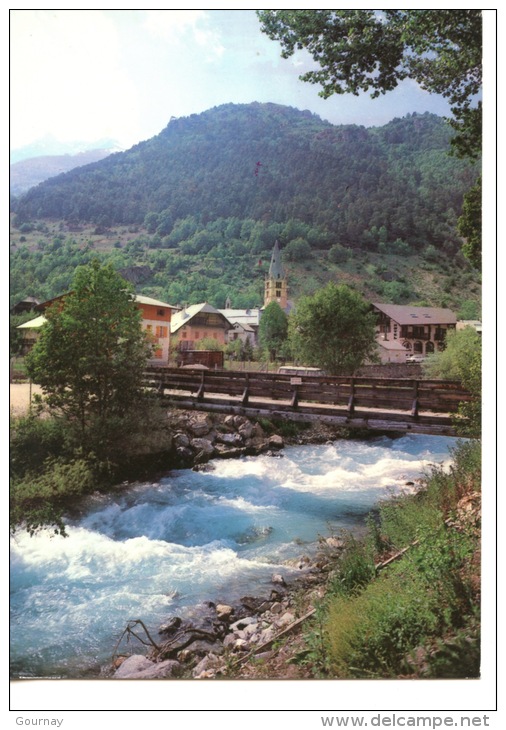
[299,370]
[415,358]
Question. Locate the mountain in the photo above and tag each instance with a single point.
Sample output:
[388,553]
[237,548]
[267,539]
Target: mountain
[49,146]
[273,163]
[197,209]
[27,173]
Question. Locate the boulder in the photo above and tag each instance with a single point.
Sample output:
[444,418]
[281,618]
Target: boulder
[229,439]
[224,611]
[138,667]
[276,442]
[202,445]
[200,426]
[181,440]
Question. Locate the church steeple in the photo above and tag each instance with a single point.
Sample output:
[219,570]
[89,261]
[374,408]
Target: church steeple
[276,289]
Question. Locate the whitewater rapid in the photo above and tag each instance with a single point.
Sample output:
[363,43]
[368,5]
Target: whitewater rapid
[154,550]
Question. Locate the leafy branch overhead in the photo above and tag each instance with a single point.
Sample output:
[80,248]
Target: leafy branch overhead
[362,50]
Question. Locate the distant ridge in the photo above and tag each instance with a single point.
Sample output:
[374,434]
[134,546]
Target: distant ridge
[272,163]
[27,173]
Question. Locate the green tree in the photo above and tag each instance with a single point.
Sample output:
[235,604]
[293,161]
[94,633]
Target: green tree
[273,329]
[469,224]
[361,50]
[91,356]
[461,360]
[333,329]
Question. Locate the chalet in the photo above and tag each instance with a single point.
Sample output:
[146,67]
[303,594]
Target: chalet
[198,322]
[245,323]
[156,318]
[404,330]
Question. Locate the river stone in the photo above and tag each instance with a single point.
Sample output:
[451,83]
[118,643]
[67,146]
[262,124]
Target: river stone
[246,430]
[200,426]
[278,579]
[134,663]
[168,668]
[202,445]
[223,610]
[243,622]
[229,439]
[286,619]
[181,439]
[276,442]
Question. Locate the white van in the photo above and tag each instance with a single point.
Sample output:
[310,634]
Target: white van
[299,370]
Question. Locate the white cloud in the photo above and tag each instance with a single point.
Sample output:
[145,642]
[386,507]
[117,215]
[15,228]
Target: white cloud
[174,25]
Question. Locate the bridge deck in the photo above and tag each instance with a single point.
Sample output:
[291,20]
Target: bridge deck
[379,404]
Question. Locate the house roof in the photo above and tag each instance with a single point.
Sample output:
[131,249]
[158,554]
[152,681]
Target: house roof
[141,299]
[243,316]
[391,345]
[33,323]
[206,312]
[416,315]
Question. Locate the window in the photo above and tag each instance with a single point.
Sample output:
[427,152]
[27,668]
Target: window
[161,331]
[160,312]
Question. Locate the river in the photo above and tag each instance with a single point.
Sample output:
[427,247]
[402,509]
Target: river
[154,550]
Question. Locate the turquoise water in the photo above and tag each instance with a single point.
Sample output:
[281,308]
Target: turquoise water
[159,549]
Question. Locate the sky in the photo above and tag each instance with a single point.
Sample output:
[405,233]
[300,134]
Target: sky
[122,74]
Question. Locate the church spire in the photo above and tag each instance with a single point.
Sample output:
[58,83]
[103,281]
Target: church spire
[276,289]
[276,270]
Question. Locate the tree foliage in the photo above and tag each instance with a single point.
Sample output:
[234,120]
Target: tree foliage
[273,329]
[469,224]
[461,360]
[361,50]
[91,354]
[333,329]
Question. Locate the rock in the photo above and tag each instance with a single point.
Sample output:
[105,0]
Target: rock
[276,608]
[286,619]
[243,622]
[134,663]
[230,439]
[276,442]
[258,432]
[181,439]
[202,445]
[278,579]
[183,453]
[200,426]
[171,626]
[246,430]
[138,667]
[207,666]
[335,543]
[199,648]
[223,611]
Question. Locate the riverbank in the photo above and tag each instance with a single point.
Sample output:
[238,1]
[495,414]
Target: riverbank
[431,601]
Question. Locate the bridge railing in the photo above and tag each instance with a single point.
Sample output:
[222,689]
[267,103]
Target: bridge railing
[351,393]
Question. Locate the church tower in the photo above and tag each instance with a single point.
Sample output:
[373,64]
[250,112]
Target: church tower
[276,288]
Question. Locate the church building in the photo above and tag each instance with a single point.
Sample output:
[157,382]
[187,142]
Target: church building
[276,287]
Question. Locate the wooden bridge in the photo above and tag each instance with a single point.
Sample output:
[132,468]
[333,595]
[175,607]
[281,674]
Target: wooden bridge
[382,404]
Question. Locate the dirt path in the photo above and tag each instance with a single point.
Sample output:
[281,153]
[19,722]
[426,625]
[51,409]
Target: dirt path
[19,397]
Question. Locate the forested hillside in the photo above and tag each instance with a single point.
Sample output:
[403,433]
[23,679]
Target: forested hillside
[200,205]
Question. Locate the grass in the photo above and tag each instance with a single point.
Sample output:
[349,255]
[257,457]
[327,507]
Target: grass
[420,615]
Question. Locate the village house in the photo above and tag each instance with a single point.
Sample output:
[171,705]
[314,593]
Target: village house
[402,330]
[198,322]
[156,318]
